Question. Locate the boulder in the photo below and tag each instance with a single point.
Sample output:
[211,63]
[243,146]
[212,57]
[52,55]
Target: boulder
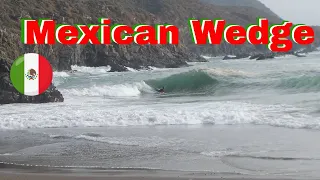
[238,56]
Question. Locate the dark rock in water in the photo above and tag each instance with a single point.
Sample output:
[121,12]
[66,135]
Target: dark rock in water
[299,55]
[255,56]
[241,56]
[8,94]
[265,56]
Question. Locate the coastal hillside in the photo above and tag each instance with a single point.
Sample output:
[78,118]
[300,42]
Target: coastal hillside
[128,12]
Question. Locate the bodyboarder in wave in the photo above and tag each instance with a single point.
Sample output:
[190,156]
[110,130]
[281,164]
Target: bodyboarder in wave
[161,90]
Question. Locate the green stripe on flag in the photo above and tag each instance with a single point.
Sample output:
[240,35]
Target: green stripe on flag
[17,74]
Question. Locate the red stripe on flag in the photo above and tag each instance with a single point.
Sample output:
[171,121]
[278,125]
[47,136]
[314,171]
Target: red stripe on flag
[45,74]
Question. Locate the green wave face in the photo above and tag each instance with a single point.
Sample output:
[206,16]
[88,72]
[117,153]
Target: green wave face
[196,81]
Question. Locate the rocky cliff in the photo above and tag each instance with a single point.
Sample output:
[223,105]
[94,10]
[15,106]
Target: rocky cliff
[128,12]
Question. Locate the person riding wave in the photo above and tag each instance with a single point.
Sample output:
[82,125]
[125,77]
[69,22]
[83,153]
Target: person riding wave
[161,90]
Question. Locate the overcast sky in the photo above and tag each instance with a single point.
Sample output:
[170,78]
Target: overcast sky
[297,11]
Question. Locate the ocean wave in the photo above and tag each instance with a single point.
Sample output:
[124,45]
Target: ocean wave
[120,90]
[191,81]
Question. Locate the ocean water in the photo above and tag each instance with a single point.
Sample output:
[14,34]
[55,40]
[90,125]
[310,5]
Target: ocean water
[246,117]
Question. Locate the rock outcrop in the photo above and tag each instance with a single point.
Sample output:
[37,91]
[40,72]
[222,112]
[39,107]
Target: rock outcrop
[8,94]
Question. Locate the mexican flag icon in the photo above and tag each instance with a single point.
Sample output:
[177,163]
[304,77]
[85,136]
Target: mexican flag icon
[31,74]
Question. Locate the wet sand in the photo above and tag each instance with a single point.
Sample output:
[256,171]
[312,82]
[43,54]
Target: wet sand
[77,174]
[115,176]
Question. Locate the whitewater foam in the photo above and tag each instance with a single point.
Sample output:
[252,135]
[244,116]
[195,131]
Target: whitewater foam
[60,74]
[214,113]
[206,57]
[91,70]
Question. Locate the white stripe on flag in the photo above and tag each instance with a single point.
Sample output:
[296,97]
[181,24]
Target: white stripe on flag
[31,87]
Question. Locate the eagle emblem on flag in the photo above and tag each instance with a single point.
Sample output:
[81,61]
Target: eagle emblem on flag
[31,74]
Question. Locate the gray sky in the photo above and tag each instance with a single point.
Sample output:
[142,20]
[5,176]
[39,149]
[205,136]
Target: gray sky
[297,11]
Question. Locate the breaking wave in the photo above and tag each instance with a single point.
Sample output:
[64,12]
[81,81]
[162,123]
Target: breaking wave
[191,81]
[201,81]
[213,113]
